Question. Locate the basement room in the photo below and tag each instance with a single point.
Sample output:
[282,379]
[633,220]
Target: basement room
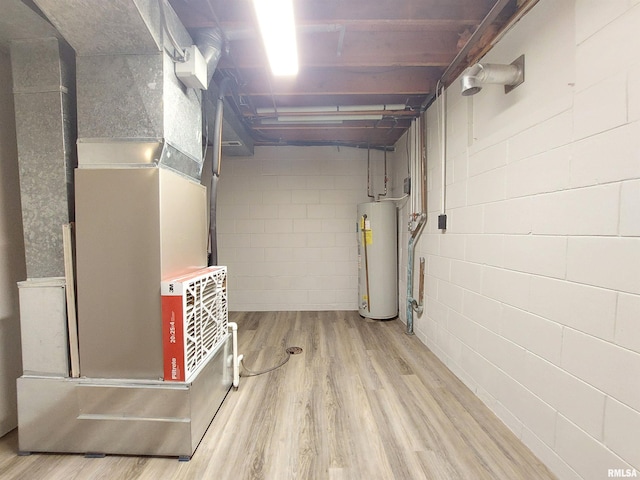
[320,239]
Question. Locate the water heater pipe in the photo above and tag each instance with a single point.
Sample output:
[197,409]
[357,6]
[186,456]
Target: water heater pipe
[386,178]
[370,188]
[416,229]
[369,173]
[366,258]
[418,305]
[442,123]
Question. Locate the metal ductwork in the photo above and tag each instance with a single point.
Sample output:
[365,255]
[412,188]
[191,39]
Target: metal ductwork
[236,142]
[129,98]
[209,42]
[141,211]
[140,220]
[43,86]
[480,74]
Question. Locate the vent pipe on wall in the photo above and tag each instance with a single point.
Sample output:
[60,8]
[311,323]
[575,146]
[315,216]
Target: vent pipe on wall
[479,74]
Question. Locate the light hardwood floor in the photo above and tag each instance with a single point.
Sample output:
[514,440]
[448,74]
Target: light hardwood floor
[363,401]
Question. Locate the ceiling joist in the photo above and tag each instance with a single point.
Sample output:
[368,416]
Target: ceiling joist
[351,52]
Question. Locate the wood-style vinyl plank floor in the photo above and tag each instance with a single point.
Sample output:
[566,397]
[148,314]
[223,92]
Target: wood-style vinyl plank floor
[362,401]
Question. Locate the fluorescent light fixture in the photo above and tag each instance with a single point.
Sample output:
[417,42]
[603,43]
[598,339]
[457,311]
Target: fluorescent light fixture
[325,118]
[274,121]
[278,30]
[320,110]
[333,109]
[368,108]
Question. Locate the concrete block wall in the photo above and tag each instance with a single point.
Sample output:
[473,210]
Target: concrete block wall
[287,227]
[533,292]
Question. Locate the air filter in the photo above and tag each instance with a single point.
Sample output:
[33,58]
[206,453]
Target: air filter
[194,321]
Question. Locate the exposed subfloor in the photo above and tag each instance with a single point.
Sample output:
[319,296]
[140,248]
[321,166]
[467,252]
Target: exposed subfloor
[362,401]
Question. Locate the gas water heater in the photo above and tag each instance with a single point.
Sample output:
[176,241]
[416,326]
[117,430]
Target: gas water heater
[377,260]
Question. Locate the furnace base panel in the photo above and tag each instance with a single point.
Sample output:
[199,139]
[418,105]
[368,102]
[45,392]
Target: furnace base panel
[122,417]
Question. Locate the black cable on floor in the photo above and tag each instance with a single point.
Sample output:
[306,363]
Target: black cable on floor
[289,351]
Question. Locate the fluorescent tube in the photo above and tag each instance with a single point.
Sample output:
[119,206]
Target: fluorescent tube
[333,109]
[278,30]
[320,118]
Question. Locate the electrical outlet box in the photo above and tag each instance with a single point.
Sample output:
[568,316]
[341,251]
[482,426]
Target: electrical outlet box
[407,185]
[442,222]
[193,72]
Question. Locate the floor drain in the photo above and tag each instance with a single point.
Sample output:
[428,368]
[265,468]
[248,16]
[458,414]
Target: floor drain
[294,350]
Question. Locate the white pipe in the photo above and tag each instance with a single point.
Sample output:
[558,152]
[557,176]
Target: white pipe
[418,215]
[482,73]
[236,358]
[443,140]
[332,109]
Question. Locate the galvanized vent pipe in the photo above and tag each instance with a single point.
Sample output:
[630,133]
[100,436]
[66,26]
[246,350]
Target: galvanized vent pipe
[482,73]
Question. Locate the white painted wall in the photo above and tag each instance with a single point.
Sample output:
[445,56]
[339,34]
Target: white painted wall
[287,227]
[12,263]
[533,292]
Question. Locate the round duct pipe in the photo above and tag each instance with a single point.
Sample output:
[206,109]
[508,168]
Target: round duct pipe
[479,74]
[209,42]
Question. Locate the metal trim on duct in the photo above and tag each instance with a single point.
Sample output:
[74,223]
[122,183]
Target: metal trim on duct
[131,153]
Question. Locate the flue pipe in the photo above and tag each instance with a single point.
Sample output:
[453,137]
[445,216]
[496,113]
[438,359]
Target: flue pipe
[483,73]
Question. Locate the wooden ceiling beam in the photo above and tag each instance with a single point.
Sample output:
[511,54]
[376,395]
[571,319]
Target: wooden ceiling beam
[247,29]
[374,136]
[358,49]
[342,126]
[317,81]
[336,10]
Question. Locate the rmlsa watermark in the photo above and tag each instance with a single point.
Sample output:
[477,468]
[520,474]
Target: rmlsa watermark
[622,473]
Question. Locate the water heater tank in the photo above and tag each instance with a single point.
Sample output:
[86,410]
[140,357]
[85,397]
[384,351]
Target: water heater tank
[377,260]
